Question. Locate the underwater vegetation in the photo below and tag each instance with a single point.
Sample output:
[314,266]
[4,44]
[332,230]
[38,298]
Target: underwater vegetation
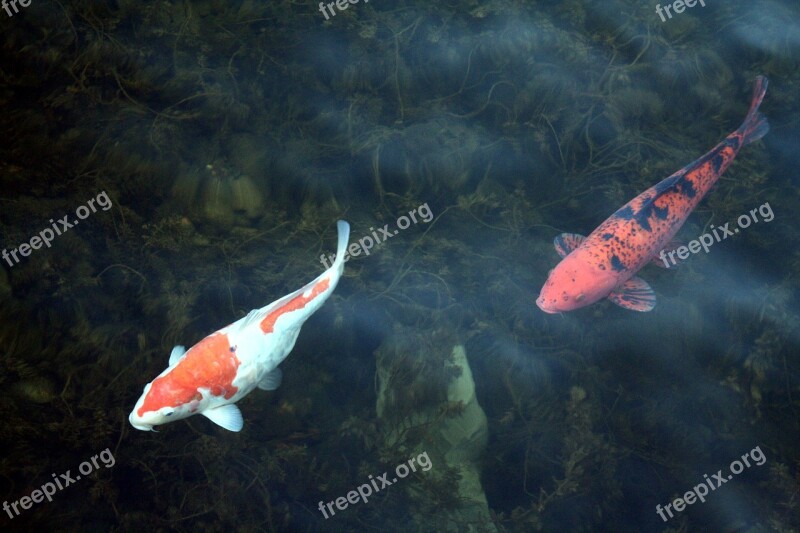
[231,135]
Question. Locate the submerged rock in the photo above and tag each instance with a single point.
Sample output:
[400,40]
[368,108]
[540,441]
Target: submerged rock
[37,389]
[226,197]
[218,200]
[246,197]
[459,437]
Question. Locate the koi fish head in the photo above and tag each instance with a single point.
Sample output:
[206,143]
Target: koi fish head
[573,284]
[163,402]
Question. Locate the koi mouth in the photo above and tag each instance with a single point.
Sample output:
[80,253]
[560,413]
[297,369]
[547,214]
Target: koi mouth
[143,427]
[541,305]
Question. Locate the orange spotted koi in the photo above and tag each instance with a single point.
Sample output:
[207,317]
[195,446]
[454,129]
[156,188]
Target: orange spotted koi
[226,366]
[604,264]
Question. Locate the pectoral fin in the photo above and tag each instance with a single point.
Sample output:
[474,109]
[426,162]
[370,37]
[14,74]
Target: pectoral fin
[226,416]
[635,294]
[566,242]
[272,380]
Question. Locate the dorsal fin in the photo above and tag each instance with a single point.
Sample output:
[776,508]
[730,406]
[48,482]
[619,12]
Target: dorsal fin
[566,242]
[252,316]
[176,354]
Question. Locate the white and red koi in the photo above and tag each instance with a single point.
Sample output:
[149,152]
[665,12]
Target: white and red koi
[604,264]
[221,369]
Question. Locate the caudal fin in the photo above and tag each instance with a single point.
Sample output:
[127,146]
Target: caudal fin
[755,124]
[344,235]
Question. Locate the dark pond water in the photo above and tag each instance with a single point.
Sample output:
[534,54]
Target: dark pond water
[167,167]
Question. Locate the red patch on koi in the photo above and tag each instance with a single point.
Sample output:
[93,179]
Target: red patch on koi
[209,364]
[298,302]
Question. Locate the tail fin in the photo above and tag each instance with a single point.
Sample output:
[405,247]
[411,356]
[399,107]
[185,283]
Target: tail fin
[344,235]
[755,124]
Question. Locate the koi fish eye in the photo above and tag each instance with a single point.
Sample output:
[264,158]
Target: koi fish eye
[580,297]
[169,413]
